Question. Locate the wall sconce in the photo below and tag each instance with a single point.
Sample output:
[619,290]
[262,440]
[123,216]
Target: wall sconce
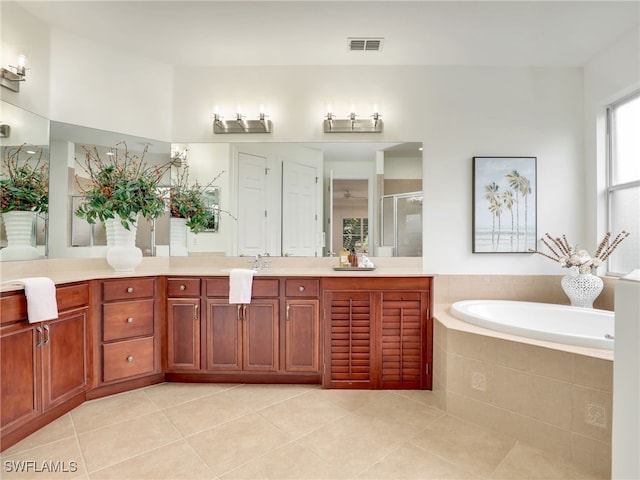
[5,130]
[352,124]
[241,125]
[11,79]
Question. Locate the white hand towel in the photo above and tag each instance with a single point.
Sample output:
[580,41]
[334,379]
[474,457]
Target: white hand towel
[41,298]
[240,283]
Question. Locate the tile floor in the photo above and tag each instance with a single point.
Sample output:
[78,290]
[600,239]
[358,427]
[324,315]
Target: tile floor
[203,431]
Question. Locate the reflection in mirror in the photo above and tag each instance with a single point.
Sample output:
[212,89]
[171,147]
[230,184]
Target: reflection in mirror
[307,199]
[24,184]
[212,205]
[68,153]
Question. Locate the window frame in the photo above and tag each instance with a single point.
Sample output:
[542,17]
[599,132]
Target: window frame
[610,187]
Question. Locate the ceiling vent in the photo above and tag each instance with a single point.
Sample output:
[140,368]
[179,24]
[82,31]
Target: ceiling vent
[364,44]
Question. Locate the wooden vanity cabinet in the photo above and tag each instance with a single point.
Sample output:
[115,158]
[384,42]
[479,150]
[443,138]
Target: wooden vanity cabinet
[378,332]
[242,338]
[129,338]
[302,325]
[183,325]
[44,366]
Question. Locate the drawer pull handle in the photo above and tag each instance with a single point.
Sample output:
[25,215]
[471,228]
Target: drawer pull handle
[130,358]
[130,290]
[130,320]
[287,316]
[196,315]
[48,334]
[39,341]
[301,288]
[183,287]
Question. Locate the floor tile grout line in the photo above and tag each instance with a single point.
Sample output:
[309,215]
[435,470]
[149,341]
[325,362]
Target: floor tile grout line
[157,385]
[4,454]
[445,459]
[118,423]
[126,459]
[77,438]
[493,472]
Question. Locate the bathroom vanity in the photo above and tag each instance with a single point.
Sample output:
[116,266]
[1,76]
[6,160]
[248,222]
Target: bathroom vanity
[370,330]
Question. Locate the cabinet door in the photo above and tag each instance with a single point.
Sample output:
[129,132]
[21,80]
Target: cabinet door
[260,338]
[348,340]
[64,358]
[223,336]
[403,326]
[20,376]
[302,336]
[183,334]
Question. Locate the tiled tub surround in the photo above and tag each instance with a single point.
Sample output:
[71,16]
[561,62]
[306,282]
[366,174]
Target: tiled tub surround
[552,396]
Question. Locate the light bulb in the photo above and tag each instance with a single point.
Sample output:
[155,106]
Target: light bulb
[22,61]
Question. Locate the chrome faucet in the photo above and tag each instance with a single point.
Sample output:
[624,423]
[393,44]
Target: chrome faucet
[260,262]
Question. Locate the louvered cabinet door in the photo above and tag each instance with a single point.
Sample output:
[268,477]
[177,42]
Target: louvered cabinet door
[348,353]
[403,332]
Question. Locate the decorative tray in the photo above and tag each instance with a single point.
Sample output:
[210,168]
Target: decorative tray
[353,269]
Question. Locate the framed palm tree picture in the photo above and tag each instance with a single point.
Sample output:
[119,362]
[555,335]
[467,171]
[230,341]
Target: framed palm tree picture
[504,204]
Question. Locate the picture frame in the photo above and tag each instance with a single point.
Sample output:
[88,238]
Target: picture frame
[504,204]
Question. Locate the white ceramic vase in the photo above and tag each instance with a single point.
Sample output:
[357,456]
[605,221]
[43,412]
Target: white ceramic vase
[582,289]
[108,231]
[124,256]
[19,228]
[178,237]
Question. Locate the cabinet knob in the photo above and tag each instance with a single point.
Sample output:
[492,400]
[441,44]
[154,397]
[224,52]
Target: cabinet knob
[130,320]
[301,288]
[183,287]
[130,290]
[130,358]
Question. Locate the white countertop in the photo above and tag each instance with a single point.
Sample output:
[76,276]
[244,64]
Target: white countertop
[80,269]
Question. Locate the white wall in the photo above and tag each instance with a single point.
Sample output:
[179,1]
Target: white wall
[23,34]
[455,112]
[96,86]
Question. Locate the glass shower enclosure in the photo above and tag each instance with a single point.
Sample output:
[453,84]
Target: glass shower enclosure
[402,224]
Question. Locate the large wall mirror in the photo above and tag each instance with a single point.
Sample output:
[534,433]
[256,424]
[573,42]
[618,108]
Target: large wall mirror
[310,199]
[277,199]
[24,173]
[75,236]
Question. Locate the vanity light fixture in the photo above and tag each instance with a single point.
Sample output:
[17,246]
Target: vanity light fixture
[241,125]
[351,124]
[11,79]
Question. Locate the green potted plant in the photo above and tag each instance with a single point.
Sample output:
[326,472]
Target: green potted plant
[189,208]
[24,193]
[121,188]
[188,201]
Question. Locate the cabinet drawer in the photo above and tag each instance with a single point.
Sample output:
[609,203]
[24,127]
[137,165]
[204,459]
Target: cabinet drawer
[128,289]
[302,287]
[14,305]
[262,287]
[127,319]
[72,296]
[183,287]
[127,359]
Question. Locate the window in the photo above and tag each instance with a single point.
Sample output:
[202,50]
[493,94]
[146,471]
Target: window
[355,233]
[623,181]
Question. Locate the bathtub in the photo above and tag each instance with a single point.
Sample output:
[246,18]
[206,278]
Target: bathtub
[542,321]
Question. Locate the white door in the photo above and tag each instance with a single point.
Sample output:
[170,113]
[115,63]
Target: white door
[252,204]
[329,225]
[299,210]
